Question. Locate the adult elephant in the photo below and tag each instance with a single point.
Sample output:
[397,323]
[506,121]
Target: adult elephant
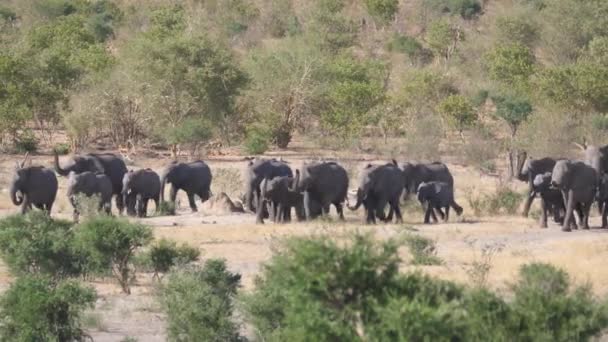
[258,170]
[578,183]
[527,170]
[325,183]
[380,185]
[138,188]
[90,184]
[33,185]
[415,174]
[107,163]
[597,158]
[194,178]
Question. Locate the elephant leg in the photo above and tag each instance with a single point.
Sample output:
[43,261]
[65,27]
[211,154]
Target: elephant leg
[139,205]
[447,214]
[604,215]
[529,199]
[427,214]
[191,202]
[280,213]
[119,204]
[569,208]
[339,210]
[259,215]
[156,203]
[307,201]
[438,211]
[26,206]
[145,213]
[389,217]
[48,207]
[370,213]
[395,206]
[586,208]
[173,193]
[543,217]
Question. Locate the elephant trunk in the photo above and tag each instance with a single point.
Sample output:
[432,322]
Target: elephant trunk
[359,201]
[295,186]
[58,169]
[163,180]
[521,160]
[17,200]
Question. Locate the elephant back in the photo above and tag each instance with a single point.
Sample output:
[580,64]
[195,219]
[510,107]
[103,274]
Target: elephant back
[114,167]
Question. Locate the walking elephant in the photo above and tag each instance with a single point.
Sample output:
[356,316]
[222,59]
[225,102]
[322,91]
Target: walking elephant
[437,195]
[528,170]
[138,188]
[258,170]
[194,178]
[414,174]
[380,185]
[278,192]
[578,183]
[88,184]
[33,185]
[107,163]
[326,183]
[597,158]
[551,199]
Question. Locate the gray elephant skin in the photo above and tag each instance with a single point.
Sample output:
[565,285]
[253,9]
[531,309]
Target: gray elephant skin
[194,178]
[380,185]
[551,198]
[278,192]
[109,164]
[602,198]
[139,187]
[414,174]
[578,183]
[597,158]
[325,183]
[33,185]
[437,195]
[90,183]
[528,170]
[257,171]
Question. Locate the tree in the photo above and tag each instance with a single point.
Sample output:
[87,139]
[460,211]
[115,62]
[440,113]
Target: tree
[443,38]
[517,30]
[36,308]
[188,77]
[458,111]
[382,10]
[328,28]
[510,64]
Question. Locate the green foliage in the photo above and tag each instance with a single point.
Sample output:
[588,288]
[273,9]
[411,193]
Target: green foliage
[442,38]
[458,111]
[331,30]
[512,109]
[38,309]
[411,47]
[467,9]
[600,122]
[258,139]
[165,254]
[382,10]
[26,142]
[61,149]
[7,14]
[166,208]
[510,64]
[503,201]
[199,303]
[424,89]
[597,51]
[423,250]
[111,244]
[37,244]
[517,30]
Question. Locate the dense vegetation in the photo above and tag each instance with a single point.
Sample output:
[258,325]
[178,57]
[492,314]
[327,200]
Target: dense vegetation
[529,73]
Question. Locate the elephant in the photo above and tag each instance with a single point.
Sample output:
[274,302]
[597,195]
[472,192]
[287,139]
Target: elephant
[414,174]
[325,182]
[602,198]
[379,185]
[258,170]
[437,195]
[527,170]
[138,188]
[33,185]
[578,183]
[551,199]
[109,164]
[597,157]
[278,191]
[194,178]
[90,183]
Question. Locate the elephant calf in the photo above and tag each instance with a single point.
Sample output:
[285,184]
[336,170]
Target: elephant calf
[551,199]
[437,195]
[89,184]
[138,187]
[34,185]
[277,192]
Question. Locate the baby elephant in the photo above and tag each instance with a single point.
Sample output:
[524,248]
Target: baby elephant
[138,187]
[551,199]
[90,183]
[437,195]
[277,192]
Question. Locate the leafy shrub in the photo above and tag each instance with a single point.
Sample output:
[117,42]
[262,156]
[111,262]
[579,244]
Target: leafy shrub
[88,206]
[199,303]
[165,254]
[458,112]
[35,243]
[383,10]
[512,64]
[411,47]
[26,142]
[600,122]
[467,9]
[503,201]
[111,244]
[166,208]
[62,149]
[514,110]
[38,309]
[258,139]
[7,14]
[423,250]
[519,29]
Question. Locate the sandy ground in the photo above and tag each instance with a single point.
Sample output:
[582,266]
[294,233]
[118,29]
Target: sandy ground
[245,245]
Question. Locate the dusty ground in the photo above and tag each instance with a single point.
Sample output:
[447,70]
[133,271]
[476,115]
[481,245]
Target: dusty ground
[234,237]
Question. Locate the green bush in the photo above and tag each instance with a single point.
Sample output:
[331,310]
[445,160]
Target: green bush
[35,243]
[165,254]
[467,9]
[504,201]
[319,290]
[38,309]
[458,112]
[166,208]
[258,139]
[383,10]
[199,303]
[111,244]
[423,250]
[26,142]
[61,149]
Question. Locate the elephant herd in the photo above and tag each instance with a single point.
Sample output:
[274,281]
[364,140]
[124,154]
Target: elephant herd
[106,175]
[568,188]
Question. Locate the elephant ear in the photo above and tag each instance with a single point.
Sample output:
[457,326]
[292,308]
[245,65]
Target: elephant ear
[437,188]
[97,165]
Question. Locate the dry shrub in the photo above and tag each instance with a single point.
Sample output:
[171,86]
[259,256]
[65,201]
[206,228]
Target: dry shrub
[548,134]
[503,200]
[481,150]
